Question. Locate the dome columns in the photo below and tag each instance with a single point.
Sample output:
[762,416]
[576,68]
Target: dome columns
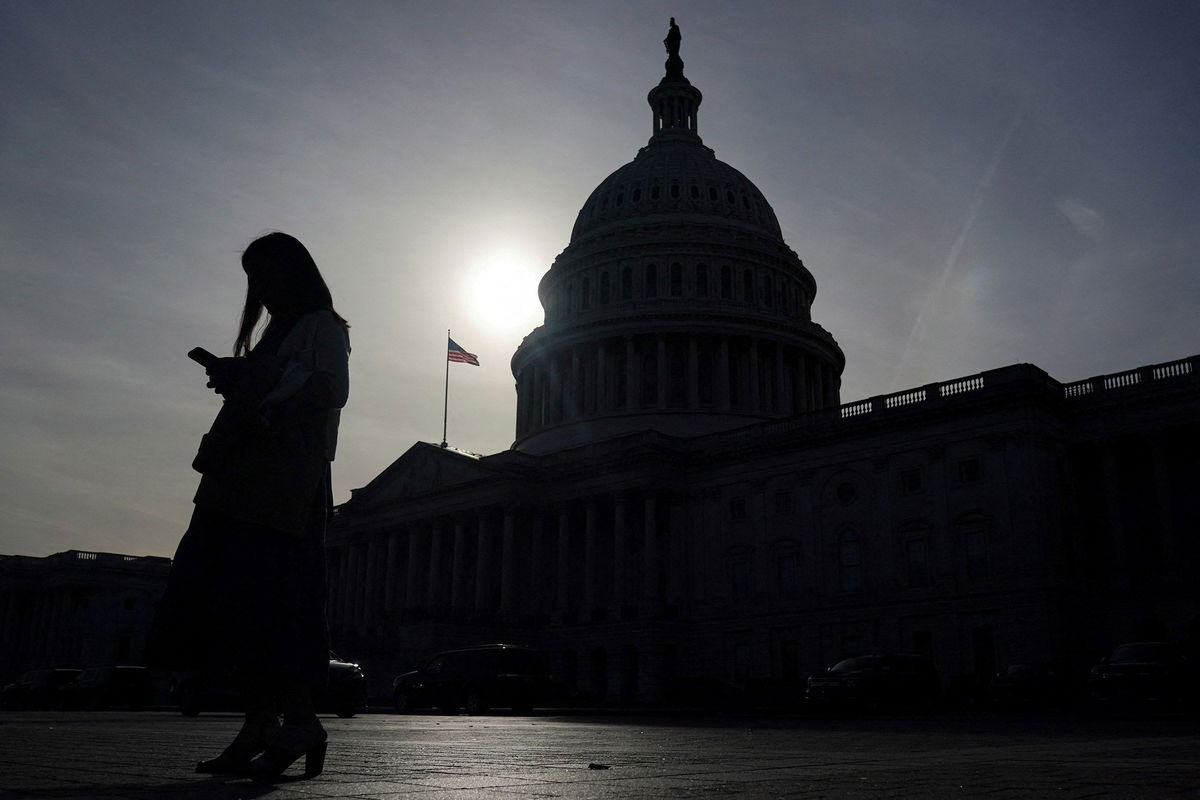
[675,108]
[686,382]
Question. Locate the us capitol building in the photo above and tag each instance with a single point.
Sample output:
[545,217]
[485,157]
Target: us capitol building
[688,498]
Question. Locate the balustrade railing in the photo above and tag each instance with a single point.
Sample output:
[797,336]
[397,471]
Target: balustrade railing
[1131,377]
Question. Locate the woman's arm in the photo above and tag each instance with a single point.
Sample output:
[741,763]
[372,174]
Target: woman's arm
[316,376]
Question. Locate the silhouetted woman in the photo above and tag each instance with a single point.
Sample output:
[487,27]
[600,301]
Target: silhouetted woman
[246,592]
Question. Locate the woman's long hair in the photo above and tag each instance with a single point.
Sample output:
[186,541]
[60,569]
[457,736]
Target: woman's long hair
[294,268]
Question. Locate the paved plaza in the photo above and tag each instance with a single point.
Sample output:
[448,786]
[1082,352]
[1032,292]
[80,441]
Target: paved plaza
[151,754]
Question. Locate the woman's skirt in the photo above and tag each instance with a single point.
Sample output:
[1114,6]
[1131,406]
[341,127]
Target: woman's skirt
[246,599]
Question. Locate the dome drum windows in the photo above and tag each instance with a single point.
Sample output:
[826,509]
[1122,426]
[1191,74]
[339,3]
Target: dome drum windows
[676,279]
[651,281]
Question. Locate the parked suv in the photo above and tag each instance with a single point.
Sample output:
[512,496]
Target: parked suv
[344,693]
[477,679]
[1144,671]
[101,687]
[876,681]
[36,689]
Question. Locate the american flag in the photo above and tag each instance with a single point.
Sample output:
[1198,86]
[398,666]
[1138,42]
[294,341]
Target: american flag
[456,353]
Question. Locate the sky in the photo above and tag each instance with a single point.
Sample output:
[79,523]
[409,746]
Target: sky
[972,184]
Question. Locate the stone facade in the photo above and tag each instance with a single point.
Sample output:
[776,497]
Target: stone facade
[999,518]
[76,609]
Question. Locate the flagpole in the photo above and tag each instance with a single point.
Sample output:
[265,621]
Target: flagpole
[446,396]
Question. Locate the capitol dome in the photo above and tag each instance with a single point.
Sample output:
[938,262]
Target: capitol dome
[676,306]
[675,176]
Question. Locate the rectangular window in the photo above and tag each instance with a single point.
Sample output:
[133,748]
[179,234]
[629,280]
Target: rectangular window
[737,508]
[975,544]
[850,566]
[918,562]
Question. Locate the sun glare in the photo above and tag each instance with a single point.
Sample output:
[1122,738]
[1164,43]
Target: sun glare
[503,291]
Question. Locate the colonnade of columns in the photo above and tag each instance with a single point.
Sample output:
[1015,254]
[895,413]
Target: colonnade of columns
[673,371]
[603,557]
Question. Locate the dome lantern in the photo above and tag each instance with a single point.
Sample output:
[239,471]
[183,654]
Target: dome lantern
[674,101]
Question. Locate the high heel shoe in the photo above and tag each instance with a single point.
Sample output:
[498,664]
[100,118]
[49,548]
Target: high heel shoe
[235,759]
[286,746]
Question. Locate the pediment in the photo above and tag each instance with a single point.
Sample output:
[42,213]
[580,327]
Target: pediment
[423,469]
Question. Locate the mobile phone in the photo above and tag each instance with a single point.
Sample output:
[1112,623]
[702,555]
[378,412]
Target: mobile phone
[202,357]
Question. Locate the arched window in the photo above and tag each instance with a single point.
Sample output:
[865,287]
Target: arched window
[676,279]
[726,282]
[627,283]
[701,280]
[651,281]
[748,287]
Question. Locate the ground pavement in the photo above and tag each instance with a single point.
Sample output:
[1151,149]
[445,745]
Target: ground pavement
[150,754]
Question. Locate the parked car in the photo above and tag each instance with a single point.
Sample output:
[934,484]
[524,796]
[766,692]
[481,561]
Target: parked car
[1032,686]
[477,679]
[344,694]
[875,681]
[103,687]
[1142,672]
[36,689]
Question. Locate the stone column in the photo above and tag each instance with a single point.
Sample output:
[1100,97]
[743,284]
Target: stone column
[603,390]
[663,374]
[802,403]
[389,574]
[573,405]
[412,595]
[589,555]
[755,395]
[458,578]
[1117,559]
[554,414]
[650,552]
[564,555]
[1160,478]
[693,374]
[722,397]
[371,609]
[781,387]
[632,373]
[536,593]
[436,590]
[620,541]
[483,565]
[509,588]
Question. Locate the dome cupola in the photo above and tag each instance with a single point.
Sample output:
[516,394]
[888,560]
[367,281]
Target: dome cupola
[677,306]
